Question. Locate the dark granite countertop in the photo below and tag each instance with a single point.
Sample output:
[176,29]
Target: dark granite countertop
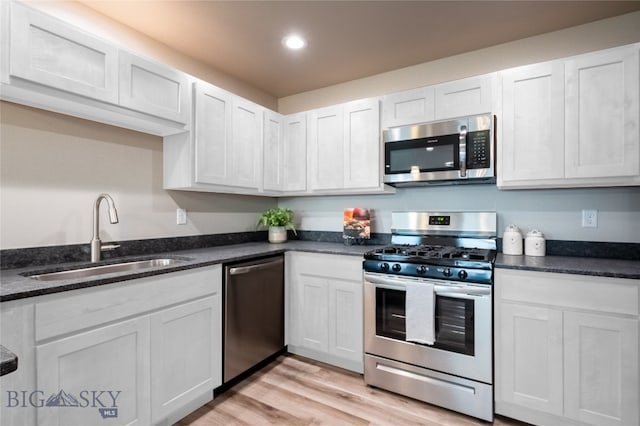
[13,285]
[572,265]
[8,361]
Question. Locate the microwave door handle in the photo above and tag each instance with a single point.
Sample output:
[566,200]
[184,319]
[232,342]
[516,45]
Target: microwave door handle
[463,151]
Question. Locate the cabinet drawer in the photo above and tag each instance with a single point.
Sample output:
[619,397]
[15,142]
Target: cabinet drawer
[328,265]
[600,294]
[82,309]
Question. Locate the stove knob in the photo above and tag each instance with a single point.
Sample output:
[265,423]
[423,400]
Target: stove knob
[447,272]
[396,267]
[421,269]
[463,275]
[384,266]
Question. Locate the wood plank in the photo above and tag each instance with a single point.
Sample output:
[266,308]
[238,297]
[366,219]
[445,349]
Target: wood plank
[294,390]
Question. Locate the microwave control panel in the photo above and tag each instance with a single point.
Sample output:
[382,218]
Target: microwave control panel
[479,149]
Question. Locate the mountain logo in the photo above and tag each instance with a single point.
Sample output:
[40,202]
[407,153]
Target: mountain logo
[62,399]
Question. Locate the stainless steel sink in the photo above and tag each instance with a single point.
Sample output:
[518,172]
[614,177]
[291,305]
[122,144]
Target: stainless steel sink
[91,271]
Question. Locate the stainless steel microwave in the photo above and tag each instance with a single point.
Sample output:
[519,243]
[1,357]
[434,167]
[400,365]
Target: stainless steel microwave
[454,151]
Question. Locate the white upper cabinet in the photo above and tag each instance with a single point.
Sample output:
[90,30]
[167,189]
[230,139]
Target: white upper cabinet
[50,64]
[572,122]
[362,144]
[154,89]
[295,153]
[344,147]
[47,51]
[212,135]
[273,158]
[602,115]
[246,144]
[464,97]
[285,153]
[223,152]
[326,149]
[408,107]
[469,96]
[532,123]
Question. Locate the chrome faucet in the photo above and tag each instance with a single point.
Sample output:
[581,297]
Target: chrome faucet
[96,244]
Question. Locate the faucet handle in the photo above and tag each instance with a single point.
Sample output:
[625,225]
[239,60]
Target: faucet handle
[109,247]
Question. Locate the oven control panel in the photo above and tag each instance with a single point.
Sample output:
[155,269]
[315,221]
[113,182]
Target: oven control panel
[450,273]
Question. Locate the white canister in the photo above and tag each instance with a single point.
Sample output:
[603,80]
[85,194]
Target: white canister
[512,241]
[534,244]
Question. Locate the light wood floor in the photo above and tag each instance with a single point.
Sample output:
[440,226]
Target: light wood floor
[297,391]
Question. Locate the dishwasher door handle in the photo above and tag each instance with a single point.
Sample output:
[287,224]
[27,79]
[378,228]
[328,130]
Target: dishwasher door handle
[251,268]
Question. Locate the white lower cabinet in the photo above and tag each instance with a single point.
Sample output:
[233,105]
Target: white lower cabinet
[566,348]
[138,352]
[16,388]
[601,369]
[95,372]
[185,357]
[324,308]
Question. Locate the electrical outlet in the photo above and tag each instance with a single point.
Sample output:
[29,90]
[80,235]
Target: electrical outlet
[181,216]
[589,218]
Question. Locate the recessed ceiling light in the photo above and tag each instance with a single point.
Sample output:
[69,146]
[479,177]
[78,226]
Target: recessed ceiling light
[294,42]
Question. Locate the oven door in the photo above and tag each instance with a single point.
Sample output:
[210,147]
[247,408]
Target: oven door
[463,323]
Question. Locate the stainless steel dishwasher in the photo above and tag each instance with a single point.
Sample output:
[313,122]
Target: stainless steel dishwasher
[253,314]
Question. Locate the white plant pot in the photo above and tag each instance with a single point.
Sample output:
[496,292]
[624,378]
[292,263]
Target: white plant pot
[277,234]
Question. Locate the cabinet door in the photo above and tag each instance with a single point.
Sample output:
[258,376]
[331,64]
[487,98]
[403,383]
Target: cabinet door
[52,53]
[186,349]
[345,320]
[102,372]
[601,369]
[464,97]
[529,350]
[532,143]
[273,156]
[409,107]
[153,89]
[17,331]
[312,312]
[212,135]
[295,152]
[326,148]
[362,144]
[602,115]
[246,146]
[324,308]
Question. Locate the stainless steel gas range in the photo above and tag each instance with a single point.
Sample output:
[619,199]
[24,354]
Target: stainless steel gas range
[428,310]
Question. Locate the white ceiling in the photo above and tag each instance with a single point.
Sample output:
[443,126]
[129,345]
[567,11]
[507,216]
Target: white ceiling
[346,39]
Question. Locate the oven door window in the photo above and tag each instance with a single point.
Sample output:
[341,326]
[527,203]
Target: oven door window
[428,154]
[454,320]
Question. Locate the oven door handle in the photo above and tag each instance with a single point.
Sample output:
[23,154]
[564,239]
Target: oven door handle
[462,295]
[457,291]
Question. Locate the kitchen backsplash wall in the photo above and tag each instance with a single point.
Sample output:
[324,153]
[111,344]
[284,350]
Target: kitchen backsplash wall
[52,168]
[557,213]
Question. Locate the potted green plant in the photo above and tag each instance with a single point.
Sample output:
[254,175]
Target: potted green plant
[278,220]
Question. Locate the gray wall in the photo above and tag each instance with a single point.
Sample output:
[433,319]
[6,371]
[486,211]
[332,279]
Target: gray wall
[557,213]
